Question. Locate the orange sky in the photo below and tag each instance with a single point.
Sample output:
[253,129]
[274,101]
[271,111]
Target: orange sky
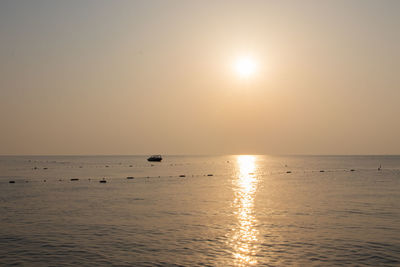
[143,77]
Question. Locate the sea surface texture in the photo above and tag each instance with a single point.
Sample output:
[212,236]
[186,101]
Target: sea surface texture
[200,211]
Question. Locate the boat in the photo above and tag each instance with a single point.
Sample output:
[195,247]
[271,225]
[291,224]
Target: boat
[155,158]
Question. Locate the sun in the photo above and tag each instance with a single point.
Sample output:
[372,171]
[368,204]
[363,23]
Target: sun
[245,66]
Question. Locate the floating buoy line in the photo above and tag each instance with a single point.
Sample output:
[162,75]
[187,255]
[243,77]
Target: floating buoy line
[260,174]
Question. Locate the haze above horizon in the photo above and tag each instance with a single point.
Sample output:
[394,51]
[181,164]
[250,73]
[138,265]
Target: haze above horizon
[199,77]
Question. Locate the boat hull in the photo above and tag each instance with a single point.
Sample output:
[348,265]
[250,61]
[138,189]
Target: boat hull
[154,160]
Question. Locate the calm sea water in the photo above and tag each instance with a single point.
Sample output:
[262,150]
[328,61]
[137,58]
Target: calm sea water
[252,211]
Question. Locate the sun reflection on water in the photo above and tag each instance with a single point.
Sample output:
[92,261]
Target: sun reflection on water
[245,235]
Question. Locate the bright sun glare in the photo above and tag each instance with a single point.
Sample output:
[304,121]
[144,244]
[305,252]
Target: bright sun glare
[245,66]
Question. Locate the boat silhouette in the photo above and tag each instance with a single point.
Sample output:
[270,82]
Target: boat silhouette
[155,158]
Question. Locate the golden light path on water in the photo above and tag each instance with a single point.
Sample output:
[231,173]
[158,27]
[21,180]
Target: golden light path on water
[245,236]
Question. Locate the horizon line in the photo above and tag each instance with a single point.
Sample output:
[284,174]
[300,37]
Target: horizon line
[128,155]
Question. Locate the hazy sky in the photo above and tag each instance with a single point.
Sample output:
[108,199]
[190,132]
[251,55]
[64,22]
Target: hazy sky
[144,77]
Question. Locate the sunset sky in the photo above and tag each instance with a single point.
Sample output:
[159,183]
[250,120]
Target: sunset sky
[199,77]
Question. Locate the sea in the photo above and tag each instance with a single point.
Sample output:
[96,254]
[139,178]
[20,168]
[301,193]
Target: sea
[231,210]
